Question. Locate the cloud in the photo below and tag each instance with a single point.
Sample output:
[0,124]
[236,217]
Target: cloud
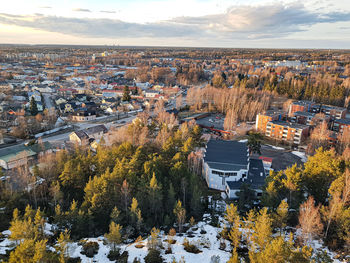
[237,23]
[45,7]
[81,10]
[108,11]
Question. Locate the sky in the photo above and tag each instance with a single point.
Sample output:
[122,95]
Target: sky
[190,23]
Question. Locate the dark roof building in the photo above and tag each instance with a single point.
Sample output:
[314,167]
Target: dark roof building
[226,155]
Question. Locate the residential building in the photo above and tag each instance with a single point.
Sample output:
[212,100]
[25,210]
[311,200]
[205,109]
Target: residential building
[84,115]
[302,105]
[334,112]
[340,125]
[285,131]
[88,135]
[255,179]
[151,93]
[263,118]
[224,161]
[4,86]
[19,155]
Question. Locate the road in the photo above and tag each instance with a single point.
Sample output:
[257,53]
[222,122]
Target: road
[61,138]
[65,136]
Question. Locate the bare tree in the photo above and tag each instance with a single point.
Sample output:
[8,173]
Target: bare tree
[310,219]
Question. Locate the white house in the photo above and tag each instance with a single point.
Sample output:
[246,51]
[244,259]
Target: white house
[224,161]
[227,165]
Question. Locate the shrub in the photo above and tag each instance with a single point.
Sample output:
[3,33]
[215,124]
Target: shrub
[153,256]
[191,248]
[222,245]
[123,258]
[116,256]
[169,250]
[90,249]
[136,260]
[73,260]
[113,254]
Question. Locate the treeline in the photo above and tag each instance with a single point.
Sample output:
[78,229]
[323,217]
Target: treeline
[320,91]
[320,87]
[239,104]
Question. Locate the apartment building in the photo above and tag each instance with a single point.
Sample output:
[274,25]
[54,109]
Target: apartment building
[290,132]
[302,105]
[340,124]
[263,118]
[309,118]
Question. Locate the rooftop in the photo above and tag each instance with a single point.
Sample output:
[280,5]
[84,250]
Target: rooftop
[290,125]
[343,121]
[304,113]
[226,155]
[22,151]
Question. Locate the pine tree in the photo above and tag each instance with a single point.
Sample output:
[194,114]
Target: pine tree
[154,191]
[33,107]
[29,251]
[136,214]
[231,213]
[180,213]
[62,245]
[235,234]
[282,215]
[293,182]
[254,142]
[262,229]
[114,237]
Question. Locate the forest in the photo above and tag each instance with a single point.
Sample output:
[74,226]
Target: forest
[139,185]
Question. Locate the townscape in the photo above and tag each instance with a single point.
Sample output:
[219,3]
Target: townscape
[121,154]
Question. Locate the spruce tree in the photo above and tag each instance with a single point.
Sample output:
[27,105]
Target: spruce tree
[126,94]
[33,107]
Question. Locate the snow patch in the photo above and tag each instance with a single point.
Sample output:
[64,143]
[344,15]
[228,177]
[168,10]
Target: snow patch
[301,155]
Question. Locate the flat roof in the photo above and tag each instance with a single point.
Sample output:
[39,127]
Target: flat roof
[304,113]
[343,121]
[288,124]
[226,155]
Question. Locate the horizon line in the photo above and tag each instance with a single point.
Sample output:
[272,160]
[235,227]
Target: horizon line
[166,46]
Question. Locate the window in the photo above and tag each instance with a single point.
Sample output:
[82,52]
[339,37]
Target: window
[217,172]
[231,174]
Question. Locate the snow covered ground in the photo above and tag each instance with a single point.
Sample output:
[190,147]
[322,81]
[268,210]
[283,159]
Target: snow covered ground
[276,147]
[301,155]
[207,242]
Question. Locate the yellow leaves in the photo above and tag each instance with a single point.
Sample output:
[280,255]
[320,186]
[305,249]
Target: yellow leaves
[114,236]
[153,183]
[27,226]
[134,206]
[231,213]
[29,251]
[262,229]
